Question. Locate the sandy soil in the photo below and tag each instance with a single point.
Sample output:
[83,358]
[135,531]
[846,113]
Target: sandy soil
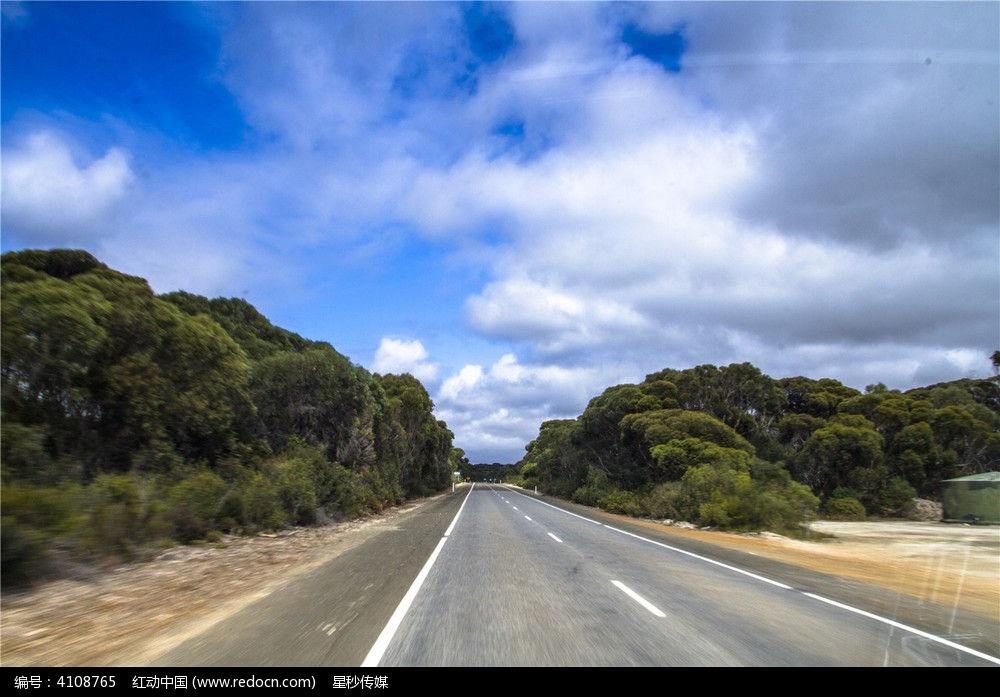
[953,565]
[129,615]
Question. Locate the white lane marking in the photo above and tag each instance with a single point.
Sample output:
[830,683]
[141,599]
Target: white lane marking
[377,650]
[515,508]
[527,518]
[638,598]
[698,556]
[455,519]
[893,623]
[554,537]
[589,520]
[907,628]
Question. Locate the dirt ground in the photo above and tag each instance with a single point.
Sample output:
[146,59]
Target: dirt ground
[950,564]
[133,613]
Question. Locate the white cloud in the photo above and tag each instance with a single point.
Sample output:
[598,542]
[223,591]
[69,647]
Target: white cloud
[402,356]
[53,198]
[808,192]
[495,411]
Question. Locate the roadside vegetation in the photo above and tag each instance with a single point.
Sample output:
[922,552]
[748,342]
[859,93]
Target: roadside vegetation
[733,448]
[132,421]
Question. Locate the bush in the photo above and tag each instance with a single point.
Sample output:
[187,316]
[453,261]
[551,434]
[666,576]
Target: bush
[620,501]
[297,490]
[353,496]
[193,505]
[22,552]
[729,497]
[115,523]
[663,501]
[261,502]
[52,511]
[845,508]
[595,488]
[897,496]
[770,507]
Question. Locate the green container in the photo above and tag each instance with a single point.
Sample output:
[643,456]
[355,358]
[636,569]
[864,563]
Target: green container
[972,499]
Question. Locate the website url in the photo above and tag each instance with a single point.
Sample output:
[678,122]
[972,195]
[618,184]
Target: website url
[254,681]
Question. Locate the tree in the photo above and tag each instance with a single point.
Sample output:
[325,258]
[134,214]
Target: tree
[832,453]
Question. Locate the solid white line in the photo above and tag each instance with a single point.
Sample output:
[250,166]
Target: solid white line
[698,556]
[377,650]
[638,598]
[554,537]
[455,519]
[907,628]
[893,623]
[527,518]
[589,520]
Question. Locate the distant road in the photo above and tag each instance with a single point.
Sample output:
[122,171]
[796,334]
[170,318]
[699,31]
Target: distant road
[492,576]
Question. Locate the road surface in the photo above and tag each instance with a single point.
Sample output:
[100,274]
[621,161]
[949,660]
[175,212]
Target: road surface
[492,576]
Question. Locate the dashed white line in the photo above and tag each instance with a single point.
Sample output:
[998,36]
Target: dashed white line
[589,520]
[382,642]
[527,518]
[843,606]
[554,537]
[515,508]
[638,598]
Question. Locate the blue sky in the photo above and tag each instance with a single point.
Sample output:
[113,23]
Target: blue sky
[525,203]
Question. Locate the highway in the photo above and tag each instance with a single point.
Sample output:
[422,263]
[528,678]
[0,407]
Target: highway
[492,576]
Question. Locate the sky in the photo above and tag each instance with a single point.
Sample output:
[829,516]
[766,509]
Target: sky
[522,204]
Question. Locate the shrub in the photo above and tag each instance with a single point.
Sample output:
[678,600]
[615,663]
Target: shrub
[353,495]
[261,501]
[729,497]
[595,488]
[53,511]
[663,501]
[297,490]
[620,501]
[232,511]
[22,552]
[115,523]
[193,505]
[845,508]
[777,507]
[896,496]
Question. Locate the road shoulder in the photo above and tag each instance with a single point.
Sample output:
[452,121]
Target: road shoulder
[133,614]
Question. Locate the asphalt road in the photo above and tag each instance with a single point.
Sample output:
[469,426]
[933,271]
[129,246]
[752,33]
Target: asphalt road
[496,577]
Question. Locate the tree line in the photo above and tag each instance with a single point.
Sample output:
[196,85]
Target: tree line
[734,448]
[131,421]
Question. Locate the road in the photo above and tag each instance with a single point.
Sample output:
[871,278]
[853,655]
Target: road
[491,576]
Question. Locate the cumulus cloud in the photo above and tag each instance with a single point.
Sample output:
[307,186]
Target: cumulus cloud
[403,356]
[54,198]
[814,190]
[638,232]
[495,411]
